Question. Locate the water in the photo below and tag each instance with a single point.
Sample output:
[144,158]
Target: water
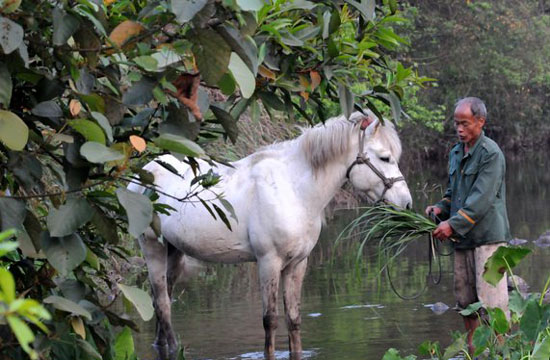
[346,312]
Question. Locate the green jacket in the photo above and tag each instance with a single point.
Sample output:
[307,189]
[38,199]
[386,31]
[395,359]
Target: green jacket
[475,200]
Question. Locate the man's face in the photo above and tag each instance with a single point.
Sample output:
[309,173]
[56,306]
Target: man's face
[468,127]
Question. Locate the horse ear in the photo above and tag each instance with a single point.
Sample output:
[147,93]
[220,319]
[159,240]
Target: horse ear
[366,121]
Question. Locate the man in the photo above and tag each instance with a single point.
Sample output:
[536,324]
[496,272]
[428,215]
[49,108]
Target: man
[474,211]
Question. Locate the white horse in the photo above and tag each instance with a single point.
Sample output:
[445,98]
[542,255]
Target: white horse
[278,194]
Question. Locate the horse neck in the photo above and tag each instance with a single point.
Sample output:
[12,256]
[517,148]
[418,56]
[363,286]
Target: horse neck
[318,187]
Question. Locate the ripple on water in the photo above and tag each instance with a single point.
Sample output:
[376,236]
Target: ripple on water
[378,306]
[314,314]
[280,355]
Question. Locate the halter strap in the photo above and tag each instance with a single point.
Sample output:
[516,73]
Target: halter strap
[364,159]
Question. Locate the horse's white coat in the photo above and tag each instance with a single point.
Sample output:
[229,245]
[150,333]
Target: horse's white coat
[279,194]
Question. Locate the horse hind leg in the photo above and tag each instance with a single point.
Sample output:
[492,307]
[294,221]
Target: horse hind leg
[269,273]
[293,278]
[156,258]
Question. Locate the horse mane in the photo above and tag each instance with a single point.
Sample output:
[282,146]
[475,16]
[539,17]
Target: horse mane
[326,142]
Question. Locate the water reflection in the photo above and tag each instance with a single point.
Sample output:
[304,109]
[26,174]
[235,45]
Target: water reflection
[349,312]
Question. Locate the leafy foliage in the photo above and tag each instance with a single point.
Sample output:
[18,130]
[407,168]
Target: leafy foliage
[526,335]
[496,50]
[91,90]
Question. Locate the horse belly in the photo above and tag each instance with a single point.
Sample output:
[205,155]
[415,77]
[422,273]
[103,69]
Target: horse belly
[200,236]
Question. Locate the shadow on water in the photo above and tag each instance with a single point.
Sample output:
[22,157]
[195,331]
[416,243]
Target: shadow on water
[348,312]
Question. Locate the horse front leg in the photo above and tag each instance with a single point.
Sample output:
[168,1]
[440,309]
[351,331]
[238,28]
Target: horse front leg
[293,278]
[156,259]
[269,272]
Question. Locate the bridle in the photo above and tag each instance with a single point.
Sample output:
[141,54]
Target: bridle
[362,158]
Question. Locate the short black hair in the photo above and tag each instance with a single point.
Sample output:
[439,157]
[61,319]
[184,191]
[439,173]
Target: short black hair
[477,106]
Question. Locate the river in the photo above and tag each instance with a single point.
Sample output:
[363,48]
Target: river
[347,311]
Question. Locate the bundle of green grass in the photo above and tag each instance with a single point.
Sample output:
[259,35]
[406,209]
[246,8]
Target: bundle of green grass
[393,228]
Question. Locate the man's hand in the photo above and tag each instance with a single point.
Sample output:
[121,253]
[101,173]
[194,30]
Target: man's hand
[443,231]
[436,210]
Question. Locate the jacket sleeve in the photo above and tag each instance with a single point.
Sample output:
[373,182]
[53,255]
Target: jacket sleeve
[482,194]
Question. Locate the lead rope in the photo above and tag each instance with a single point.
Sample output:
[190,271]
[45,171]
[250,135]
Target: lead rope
[434,253]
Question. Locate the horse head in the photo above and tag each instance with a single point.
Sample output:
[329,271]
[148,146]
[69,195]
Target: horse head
[375,170]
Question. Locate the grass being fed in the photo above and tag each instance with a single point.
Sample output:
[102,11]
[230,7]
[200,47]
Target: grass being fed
[392,228]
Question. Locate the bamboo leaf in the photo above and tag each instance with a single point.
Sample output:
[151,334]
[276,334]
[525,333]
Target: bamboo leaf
[222,216]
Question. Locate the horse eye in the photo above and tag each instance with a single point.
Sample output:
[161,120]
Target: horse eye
[385,159]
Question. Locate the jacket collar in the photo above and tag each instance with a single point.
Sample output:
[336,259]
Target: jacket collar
[472,150]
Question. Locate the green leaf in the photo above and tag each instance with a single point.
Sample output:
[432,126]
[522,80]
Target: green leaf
[541,350]
[48,109]
[298,4]
[185,10]
[92,259]
[365,7]
[14,133]
[7,247]
[242,74]
[455,348]
[124,345]
[104,123]
[499,323]
[222,216]
[335,22]
[227,205]
[471,309]
[98,153]
[140,93]
[250,5]
[69,217]
[531,321]
[394,102]
[6,86]
[11,36]
[10,6]
[148,63]
[64,253]
[86,12]
[12,213]
[228,123]
[8,233]
[179,144]
[23,333]
[517,303]
[178,122]
[66,305]
[244,46]
[393,354]
[89,349]
[105,226]
[89,129]
[94,102]
[64,26]
[271,100]
[138,208]
[346,100]
[212,54]
[160,96]
[496,267]
[332,47]
[141,300]
[227,84]
[7,286]
[481,338]
[393,6]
